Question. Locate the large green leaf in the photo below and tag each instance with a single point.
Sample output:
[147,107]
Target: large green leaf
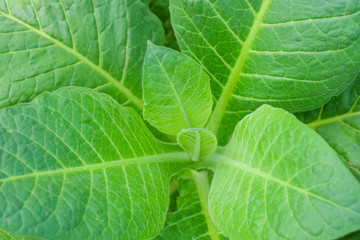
[191,220]
[48,44]
[74,164]
[278,179]
[176,90]
[338,122]
[290,54]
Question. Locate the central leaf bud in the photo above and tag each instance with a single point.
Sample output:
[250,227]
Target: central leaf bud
[197,142]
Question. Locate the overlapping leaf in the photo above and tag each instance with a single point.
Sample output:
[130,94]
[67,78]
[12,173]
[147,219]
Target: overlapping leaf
[290,54]
[48,44]
[338,122]
[74,164]
[176,90]
[278,179]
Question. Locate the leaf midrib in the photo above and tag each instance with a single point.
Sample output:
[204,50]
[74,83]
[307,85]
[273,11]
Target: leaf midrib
[134,99]
[160,158]
[318,123]
[178,99]
[218,159]
[219,111]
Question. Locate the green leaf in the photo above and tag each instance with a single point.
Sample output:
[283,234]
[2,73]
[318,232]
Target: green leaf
[291,54]
[338,122]
[278,179]
[74,164]
[176,90]
[48,44]
[197,142]
[191,220]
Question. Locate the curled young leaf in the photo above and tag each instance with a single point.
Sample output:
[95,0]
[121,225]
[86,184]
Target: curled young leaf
[197,142]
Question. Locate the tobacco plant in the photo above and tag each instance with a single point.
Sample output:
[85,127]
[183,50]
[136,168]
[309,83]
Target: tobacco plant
[249,128]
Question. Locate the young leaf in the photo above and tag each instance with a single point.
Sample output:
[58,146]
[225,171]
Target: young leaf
[290,54]
[192,219]
[197,142]
[177,91]
[48,44]
[74,164]
[278,179]
[338,122]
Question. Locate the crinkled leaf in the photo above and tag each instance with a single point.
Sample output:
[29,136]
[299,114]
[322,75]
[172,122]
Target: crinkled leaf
[197,142]
[191,220]
[48,44]
[338,122]
[278,179]
[74,164]
[290,54]
[176,90]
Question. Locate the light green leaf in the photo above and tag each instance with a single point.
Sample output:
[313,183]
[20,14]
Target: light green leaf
[48,44]
[191,221]
[74,164]
[197,142]
[338,122]
[177,91]
[278,179]
[290,54]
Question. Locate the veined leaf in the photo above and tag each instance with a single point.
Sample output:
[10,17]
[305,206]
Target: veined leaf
[176,90]
[197,142]
[338,122]
[290,54]
[48,44]
[191,221]
[74,164]
[278,179]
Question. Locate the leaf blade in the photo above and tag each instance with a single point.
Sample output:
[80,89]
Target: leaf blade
[183,96]
[55,52]
[85,163]
[279,171]
[285,65]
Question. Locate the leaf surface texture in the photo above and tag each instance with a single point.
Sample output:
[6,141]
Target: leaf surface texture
[277,179]
[48,44]
[74,164]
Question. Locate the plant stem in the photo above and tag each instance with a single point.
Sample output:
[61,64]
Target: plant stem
[202,187]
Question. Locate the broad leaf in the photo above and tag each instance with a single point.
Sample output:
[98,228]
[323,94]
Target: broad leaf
[197,142]
[290,54]
[278,179]
[191,220]
[338,122]
[74,164]
[48,44]
[177,91]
